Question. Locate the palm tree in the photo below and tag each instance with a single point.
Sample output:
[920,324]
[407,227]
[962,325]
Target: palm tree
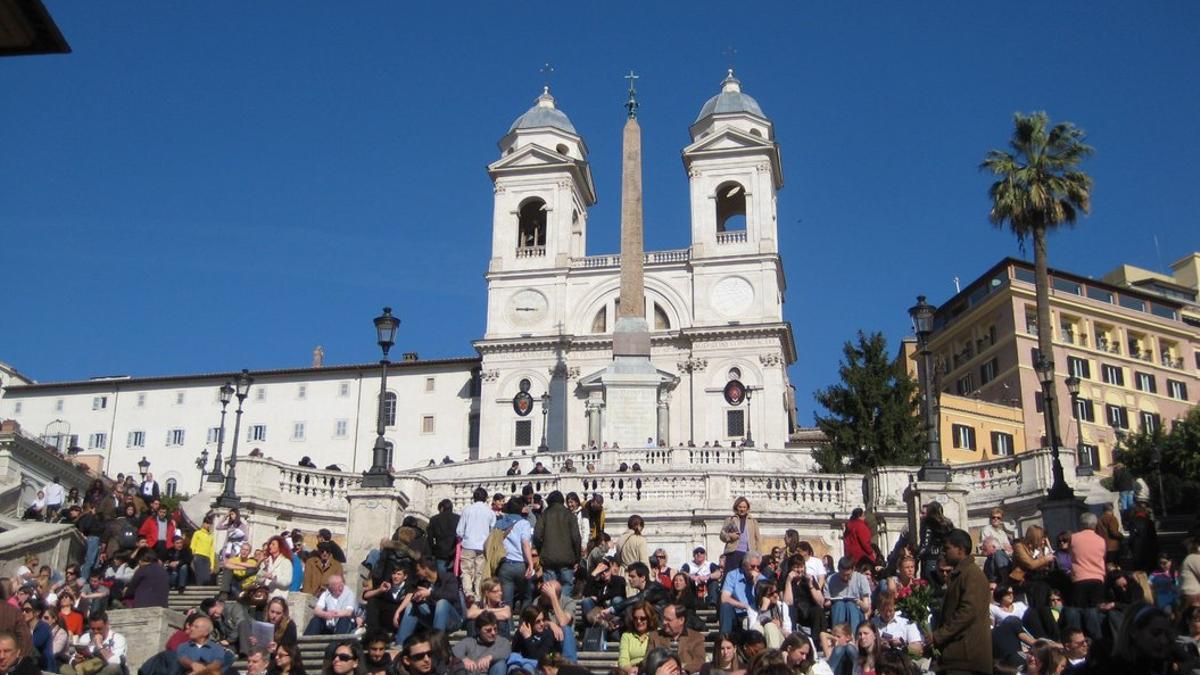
[1039,187]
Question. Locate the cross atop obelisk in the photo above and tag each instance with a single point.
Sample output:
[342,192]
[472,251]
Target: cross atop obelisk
[631,335]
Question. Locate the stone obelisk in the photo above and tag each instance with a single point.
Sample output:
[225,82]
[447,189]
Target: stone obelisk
[631,382]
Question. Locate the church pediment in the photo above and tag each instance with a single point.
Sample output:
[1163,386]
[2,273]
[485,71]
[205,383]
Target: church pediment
[594,380]
[530,156]
[728,138]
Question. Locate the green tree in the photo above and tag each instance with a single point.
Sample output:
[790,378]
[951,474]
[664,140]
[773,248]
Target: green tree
[873,418]
[1038,188]
[1174,454]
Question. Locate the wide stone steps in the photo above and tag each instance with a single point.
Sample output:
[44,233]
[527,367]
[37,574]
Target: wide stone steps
[312,648]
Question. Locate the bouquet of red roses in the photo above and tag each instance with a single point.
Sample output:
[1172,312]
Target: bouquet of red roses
[913,601]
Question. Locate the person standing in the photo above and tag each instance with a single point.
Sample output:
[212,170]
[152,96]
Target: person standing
[442,535]
[556,536]
[149,488]
[1123,484]
[964,632]
[159,530]
[204,555]
[92,529]
[150,585]
[472,531]
[857,539]
[739,534]
[54,494]
[1110,528]
[631,546]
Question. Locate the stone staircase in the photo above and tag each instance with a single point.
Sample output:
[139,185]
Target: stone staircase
[312,648]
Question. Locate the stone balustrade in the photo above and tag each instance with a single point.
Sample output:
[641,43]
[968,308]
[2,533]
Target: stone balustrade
[26,461]
[650,257]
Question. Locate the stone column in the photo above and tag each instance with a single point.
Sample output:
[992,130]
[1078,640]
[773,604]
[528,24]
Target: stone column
[373,514]
[595,406]
[664,419]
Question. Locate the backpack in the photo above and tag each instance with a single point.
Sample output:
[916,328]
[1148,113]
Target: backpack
[127,537]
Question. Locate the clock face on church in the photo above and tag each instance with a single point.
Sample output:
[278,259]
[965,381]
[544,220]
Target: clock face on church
[526,307]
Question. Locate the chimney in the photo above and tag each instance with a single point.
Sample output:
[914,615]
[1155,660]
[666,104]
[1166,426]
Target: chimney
[318,357]
[410,356]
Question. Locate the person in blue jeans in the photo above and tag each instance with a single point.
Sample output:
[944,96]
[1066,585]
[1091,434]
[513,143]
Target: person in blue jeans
[848,594]
[516,569]
[737,592]
[436,604]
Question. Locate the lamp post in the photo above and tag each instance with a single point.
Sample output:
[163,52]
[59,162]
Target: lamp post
[380,475]
[217,475]
[749,442]
[229,498]
[934,469]
[202,464]
[1082,468]
[545,447]
[1045,371]
[143,467]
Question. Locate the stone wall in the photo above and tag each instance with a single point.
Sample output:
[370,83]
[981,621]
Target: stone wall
[146,630]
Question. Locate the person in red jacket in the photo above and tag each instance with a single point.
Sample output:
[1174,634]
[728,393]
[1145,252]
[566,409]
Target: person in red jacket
[159,531]
[857,539]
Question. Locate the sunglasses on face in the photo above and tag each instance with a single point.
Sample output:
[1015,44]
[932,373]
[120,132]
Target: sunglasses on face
[27,610]
[420,656]
[342,656]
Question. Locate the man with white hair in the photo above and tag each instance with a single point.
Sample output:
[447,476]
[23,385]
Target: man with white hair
[737,593]
[334,611]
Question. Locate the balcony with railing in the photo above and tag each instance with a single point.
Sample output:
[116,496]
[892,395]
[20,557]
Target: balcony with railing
[531,251]
[734,237]
[650,258]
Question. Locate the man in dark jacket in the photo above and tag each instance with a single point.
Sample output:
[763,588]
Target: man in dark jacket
[442,537]
[964,635]
[150,584]
[556,536]
[436,604]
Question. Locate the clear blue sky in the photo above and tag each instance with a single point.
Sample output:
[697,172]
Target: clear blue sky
[208,186]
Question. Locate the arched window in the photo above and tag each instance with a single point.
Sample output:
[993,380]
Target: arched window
[531,228]
[390,455]
[731,207]
[735,374]
[661,322]
[389,409]
[172,487]
[600,322]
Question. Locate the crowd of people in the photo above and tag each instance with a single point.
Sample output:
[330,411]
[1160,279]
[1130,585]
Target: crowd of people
[532,581]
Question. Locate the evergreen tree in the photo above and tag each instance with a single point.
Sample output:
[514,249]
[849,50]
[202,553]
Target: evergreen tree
[874,412]
[1174,454]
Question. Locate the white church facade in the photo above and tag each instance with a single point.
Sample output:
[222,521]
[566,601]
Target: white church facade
[715,311]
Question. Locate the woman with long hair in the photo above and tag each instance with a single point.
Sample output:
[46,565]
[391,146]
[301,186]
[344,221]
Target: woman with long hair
[631,546]
[285,629]
[641,620]
[801,655]
[725,658]
[72,620]
[772,617]
[276,570]
[286,660]
[39,630]
[660,661]
[236,531]
[934,528]
[683,592]
[1045,660]
[867,641]
[491,600]
[739,534]
[346,659]
[60,637]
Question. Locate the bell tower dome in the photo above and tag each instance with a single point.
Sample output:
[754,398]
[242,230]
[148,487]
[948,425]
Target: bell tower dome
[734,171]
[543,188]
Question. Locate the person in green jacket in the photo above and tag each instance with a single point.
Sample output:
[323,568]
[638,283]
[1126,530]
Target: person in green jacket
[556,536]
[964,632]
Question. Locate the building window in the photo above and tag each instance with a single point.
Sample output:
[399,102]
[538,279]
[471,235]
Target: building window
[1038,401]
[58,405]
[17,408]
[987,372]
[1145,382]
[1151,422]
[1089,455]
[1118,417]
[731,207]
[389,409]
[343,389]
[1175,389]
[339,428]
[965,385]
[260,394]
[135,439]
[735,423]
[179,395]
[172,487]
[429,384]
[1079,367]
[523,437]
[141,400]
[214,435]
[427,424]
[1085,410]
[1002,444]
[257,432]
[302,391]
[1113,375]
[473,434]
[175,437]
[99,402]
[964,436]
[98,441]
[531,224]
[298,431]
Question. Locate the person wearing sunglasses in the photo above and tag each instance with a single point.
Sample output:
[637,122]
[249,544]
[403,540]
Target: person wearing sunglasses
[737,592]
[43,637]
[347,659]
[417,654]
[285,660]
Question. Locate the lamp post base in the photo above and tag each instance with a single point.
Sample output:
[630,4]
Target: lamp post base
[934,472]
[228,502]
[217,477]
[1060,492]
[377,479]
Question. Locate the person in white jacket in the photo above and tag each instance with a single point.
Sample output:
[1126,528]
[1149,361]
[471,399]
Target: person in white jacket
[276,569]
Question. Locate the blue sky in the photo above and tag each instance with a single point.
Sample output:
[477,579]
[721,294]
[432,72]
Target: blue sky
[209,186]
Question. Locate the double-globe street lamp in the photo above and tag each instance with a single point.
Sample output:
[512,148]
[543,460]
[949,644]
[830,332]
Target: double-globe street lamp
[217,475]
[202,464]
[229,498]
[1083,465]
[380,475]
[545,447]
[934,469]
[1045,372]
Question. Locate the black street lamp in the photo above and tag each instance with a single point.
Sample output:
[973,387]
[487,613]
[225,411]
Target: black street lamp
[934,469]
[1082,467]
[380,475]
[202,464]
[1045,371]
[217,475]
[749,442]
[544,447]
[229,498]
[143,467]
